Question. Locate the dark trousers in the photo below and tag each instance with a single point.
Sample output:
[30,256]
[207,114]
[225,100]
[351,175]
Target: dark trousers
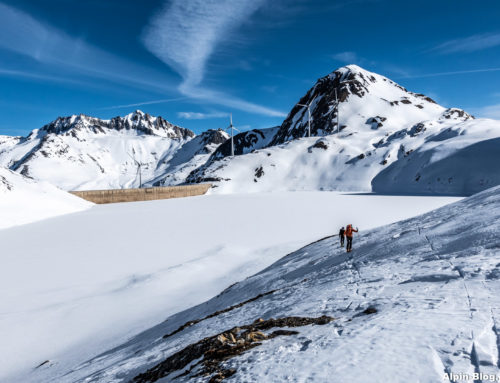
[342,240]
[349,243]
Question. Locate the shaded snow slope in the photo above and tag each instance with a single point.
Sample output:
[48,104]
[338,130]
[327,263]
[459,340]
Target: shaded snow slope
[462,160]
[75,286]
[387,135]
[188,157]
[246,142]
[415,300]
[23,200]
[82,152]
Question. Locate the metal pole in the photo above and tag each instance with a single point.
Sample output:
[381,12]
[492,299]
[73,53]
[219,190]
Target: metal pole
[232,141]
[140,176]
[309,124]
[337,102]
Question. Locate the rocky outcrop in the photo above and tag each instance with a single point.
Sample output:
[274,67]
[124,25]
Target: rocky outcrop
[138,121]
[214,350]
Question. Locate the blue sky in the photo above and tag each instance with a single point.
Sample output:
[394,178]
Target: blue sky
[195,61]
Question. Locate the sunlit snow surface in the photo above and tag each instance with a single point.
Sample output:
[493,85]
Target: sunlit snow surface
[433,279]
[78,285]
[23,200]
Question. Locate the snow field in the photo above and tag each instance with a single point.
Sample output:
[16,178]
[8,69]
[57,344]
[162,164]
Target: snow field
[78,285]
[432,283]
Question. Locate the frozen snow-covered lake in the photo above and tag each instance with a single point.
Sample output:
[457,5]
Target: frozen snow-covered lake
[76,285]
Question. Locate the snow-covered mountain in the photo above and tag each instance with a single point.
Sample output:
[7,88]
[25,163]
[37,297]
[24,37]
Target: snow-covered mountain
[389,140]
[242,143]
[416,300]
[23,200]
[82,152]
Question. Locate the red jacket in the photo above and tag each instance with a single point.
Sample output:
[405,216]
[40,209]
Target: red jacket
[349,230]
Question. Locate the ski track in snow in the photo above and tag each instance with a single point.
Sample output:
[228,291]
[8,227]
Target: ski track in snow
[433,280]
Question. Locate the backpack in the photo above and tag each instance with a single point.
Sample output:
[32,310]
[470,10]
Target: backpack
[348,230]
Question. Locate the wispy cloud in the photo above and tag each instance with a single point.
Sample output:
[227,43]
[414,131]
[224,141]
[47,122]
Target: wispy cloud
[51,48]
[185,34]
[163,101]
[346,57]
[201,116]
[452,73]
[469,44]
[489,111]
[36,76]
[269,88]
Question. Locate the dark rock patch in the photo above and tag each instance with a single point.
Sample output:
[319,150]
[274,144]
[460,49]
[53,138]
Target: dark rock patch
[259,172]
[218,348]
[322,98]
[319,145]
[457,114]
[424,97]
[5,183]
[376,122]
[417,129]
[195,321]
[43,363]
[368,311]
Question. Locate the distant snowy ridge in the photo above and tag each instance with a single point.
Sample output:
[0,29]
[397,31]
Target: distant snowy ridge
[23,200]
[389,140]
[415,300]
[81,152]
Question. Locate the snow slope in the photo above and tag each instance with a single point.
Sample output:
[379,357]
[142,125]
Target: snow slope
[390,140]
[461,159]
[189,157]
[23,200]
[75,286]
[82,152]
[414,301]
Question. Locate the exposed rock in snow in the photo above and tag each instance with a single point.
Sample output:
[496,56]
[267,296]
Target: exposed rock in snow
[245,142]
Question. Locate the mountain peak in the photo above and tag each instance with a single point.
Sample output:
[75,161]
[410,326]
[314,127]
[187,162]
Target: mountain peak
[364,95]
